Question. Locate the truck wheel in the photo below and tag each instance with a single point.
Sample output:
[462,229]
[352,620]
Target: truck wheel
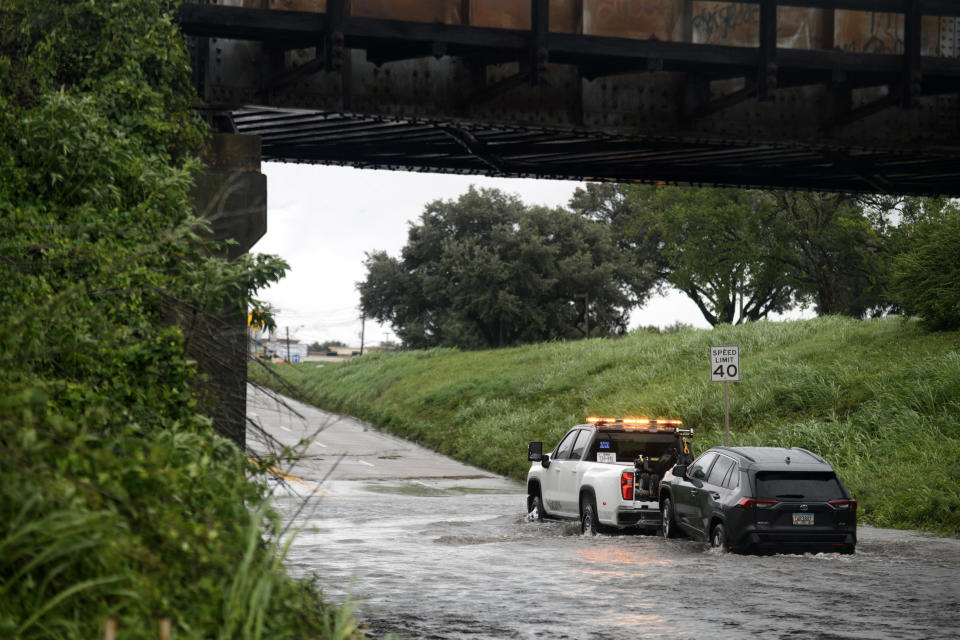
[718,537]
[534,508]
[588,517]
[667,523]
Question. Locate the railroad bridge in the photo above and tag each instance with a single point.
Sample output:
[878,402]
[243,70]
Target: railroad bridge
[844,95]
[832,95]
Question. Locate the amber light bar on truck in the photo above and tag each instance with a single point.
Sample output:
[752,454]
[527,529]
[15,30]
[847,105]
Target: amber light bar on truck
[658,424]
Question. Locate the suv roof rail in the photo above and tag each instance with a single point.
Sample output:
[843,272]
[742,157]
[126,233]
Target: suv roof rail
[812,455]
[739,453]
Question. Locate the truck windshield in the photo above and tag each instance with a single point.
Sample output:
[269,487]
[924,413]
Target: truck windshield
[627,446]
[797,485]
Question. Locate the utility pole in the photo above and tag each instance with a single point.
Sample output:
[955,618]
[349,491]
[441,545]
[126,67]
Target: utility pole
[363,330]
[287,359]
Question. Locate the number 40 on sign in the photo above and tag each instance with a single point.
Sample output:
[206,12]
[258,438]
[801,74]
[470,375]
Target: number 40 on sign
[725,364]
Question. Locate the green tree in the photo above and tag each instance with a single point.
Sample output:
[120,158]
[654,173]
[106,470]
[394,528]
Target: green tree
[486,271]
[832,249]
[741,255]
[926,271]
[704,242]
[616,206]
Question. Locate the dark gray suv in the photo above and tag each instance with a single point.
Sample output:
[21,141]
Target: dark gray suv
[760,499]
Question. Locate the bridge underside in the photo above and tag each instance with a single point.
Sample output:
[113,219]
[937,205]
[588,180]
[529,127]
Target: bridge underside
[467,148]
[331,88]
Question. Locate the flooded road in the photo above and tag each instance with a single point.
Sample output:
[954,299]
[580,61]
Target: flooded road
[435,549]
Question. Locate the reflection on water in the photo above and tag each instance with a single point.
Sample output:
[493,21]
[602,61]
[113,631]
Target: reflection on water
[438,561]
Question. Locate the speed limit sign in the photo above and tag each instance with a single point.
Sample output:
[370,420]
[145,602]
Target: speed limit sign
[725,364]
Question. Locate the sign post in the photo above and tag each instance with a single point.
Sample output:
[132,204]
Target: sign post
[725,367]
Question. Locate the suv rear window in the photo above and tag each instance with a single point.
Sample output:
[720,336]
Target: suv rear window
[629,445]
[798,485]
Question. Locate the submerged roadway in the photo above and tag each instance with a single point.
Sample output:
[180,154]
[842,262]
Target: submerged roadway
[432,548]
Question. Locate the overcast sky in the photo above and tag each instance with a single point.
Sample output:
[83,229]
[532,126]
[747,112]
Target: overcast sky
[323,220]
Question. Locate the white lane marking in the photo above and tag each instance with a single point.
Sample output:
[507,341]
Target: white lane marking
[319,444]
[285,429]
[366,463]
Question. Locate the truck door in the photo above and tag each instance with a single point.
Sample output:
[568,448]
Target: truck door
[550,480]
[687,492]
[572,474]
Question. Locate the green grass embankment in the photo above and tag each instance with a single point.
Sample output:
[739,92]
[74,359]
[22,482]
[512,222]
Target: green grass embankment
[879,399]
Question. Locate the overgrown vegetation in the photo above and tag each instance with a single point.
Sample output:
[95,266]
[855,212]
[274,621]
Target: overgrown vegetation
[879,399]
[487,270]
[926,271]
[741,254]
[116,497]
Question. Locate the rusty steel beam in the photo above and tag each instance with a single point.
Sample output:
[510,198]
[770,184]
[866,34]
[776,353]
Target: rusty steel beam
[539,30]
[292,29]
[947,8]
[459,98]
[491,91]
[476,148]
[866,110]
[767,63]
[333,40]
[912,60]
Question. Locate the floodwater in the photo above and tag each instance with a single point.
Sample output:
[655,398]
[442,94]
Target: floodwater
[449,560]
[455,557]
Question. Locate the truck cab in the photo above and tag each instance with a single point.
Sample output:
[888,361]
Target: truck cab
[606,472]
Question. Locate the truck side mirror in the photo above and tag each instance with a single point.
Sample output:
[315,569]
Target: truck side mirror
[545,460]
[535,452]
[680,470]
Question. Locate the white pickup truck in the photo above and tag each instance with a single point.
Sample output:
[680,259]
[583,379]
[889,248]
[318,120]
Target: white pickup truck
[606,472]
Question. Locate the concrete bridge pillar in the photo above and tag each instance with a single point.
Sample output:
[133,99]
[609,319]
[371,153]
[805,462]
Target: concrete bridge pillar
[232,195]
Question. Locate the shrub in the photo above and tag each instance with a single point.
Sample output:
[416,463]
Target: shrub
[926,277]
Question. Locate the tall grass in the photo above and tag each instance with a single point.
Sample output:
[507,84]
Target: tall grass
[879,399]
[136,526]
[46,559]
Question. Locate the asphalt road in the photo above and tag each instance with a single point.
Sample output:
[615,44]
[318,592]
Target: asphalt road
[334,448]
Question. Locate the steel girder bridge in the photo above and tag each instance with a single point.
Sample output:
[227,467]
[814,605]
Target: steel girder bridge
[834,95]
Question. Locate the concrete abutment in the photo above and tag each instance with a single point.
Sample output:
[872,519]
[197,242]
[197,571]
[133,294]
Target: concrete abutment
[232,195]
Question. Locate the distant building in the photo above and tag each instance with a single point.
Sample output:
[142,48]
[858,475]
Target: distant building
[277,349]
[342,352]
[346,352]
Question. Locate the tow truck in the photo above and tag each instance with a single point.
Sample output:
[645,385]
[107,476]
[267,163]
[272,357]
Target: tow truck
[606,472]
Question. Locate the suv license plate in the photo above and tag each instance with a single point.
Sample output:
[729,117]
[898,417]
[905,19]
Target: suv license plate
[803,518]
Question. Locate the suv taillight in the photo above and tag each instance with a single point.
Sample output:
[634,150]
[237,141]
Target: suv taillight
[844,504]
[746,503]
[626,485]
